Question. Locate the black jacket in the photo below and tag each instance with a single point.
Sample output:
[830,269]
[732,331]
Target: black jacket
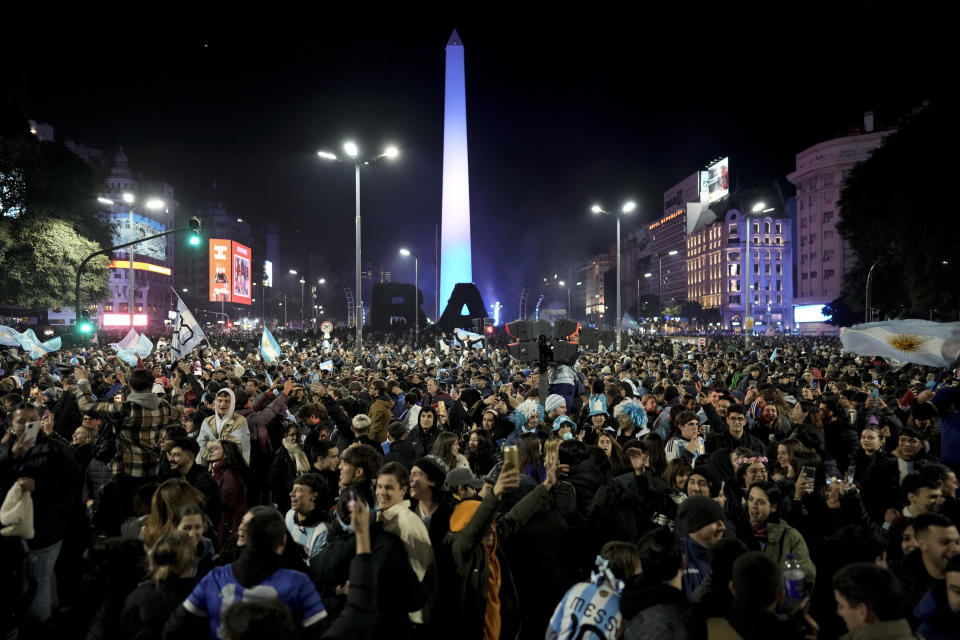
[56,475]
[201,480]
[402,451]
[147,609]
[398,590]
[655,610]
[283,471]
[842,442]
[629,505]
[423,439]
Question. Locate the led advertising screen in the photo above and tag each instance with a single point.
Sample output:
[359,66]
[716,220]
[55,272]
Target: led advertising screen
[267,273]
[241,273]
[715,181]
[220,270]
[809,313]
[142,227]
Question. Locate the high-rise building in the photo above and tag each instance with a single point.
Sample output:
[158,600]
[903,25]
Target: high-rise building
[721,274]
[139,209]
[823,257]
[192,273]
[595,275]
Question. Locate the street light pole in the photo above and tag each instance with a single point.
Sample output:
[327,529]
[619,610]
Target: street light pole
[351,150]
[627,208]
[416,293]
[868,297]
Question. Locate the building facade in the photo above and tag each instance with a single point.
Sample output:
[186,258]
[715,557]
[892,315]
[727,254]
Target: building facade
[722,275]
[823,257]
[594,275]
[138,209]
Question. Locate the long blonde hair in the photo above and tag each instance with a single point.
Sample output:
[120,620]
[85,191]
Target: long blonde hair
[167,500]
[173,554]
[551,450]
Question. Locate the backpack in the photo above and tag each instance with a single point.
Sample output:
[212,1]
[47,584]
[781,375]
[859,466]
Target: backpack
[105,443]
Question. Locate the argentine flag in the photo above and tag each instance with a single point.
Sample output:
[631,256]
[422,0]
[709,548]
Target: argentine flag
[269,349]
[935,344]
[28,341]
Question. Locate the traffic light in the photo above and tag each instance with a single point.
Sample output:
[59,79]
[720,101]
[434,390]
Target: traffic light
[488,326]
[85,325]
[477,325]
[194,231]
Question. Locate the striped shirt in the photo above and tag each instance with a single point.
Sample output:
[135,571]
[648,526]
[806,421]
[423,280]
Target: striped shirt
[587,611]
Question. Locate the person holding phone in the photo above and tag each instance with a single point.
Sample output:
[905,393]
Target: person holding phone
[48,470]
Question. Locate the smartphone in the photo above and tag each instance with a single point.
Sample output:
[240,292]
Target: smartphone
[31,431]
[753,384]
[851,471]
[813,384]
[809,473]
[511,457]
[874,394]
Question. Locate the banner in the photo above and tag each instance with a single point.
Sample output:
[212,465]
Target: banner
[28,341]
[469,338]
[327,366]
[269,349]
[241,273]
[935,344]
[187,333]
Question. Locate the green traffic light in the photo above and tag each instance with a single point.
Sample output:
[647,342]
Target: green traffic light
[86,327]
[194,240]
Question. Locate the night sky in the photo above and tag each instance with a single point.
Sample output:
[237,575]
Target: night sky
[559,116]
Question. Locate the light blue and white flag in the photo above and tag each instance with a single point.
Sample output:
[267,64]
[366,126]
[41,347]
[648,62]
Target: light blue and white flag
[935,344]
[269,349]
[128,341]
[28,341]
[327,366]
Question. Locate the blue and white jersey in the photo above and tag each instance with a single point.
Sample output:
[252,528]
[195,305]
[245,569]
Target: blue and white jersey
[219,589]
[586,612]
[311,538]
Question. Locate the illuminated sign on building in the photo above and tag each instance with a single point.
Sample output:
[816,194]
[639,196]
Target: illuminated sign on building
[123,320]
[241,273]
[809,313]
[666,219]
[220,269]
[142,227]
[267,273]
[715,181]
[143,266]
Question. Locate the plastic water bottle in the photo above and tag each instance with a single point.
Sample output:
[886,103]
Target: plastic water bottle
[794,582]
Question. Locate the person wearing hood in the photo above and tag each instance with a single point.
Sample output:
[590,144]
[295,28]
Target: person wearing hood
[224,424]
[631,419]
[653,602]
[425,433]
[257,570]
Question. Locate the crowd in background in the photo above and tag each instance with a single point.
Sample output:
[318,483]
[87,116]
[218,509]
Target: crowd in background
[761,489]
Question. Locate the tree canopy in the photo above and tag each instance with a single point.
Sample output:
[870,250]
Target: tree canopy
[895,212]
[49,224]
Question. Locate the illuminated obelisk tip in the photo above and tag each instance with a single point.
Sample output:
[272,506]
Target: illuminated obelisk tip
[455,257]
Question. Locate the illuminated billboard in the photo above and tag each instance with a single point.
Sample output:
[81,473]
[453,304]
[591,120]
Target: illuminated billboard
[715,181]
[241,273]
[220,270]
[267,273]
[142,227]
[809,313]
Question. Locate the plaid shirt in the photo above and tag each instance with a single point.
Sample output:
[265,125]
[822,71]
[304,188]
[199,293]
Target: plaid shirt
[138,433]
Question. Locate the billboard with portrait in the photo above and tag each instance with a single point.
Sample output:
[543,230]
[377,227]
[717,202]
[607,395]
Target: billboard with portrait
[267,273]
[241,273]
[715,181]
[220,270]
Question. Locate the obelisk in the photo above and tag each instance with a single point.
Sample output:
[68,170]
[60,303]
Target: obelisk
[455,259]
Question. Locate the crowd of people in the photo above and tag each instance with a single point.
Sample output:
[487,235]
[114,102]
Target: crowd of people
[770,488]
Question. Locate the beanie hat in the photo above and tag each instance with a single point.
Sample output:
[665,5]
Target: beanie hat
[462,514]
[696,512]
[711,476]
[434,467]
[553,401]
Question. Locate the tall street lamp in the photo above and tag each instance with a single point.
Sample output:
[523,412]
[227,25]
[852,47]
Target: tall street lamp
[416,293]
[628,207]
[353,152]
[759,207]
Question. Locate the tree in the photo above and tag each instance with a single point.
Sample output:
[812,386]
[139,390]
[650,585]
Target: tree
[895,214]
[50,221]
[38,264]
